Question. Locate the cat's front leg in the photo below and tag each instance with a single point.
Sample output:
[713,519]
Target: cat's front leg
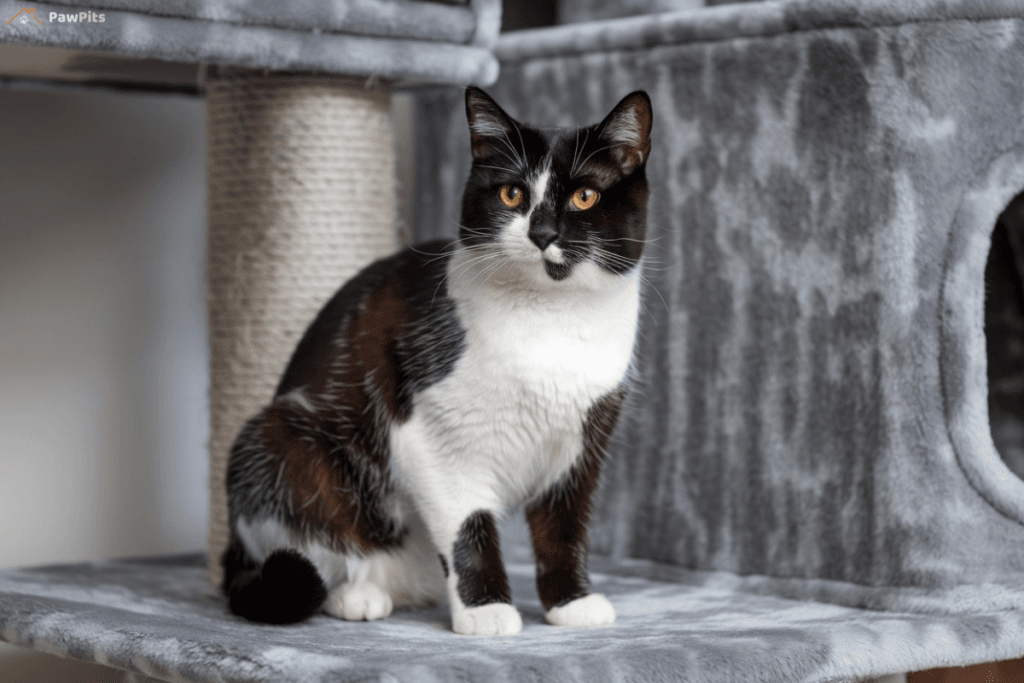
[558,523]
[478,590]
[470,554]
[456,500]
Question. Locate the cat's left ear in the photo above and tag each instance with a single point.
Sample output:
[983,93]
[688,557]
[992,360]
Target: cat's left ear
[489,126]
[627,129]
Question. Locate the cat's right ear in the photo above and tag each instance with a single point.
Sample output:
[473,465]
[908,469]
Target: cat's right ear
[490,129]
[627,131]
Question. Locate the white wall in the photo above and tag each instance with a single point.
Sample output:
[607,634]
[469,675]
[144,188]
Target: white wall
[103,370]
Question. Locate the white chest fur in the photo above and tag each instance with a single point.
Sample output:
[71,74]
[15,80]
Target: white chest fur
[510,416]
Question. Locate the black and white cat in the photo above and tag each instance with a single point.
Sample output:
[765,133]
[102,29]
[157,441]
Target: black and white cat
[449,383]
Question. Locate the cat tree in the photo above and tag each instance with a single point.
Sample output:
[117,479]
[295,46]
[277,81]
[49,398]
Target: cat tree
[807,488]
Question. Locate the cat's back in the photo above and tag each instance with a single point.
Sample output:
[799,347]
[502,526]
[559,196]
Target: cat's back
[375,325]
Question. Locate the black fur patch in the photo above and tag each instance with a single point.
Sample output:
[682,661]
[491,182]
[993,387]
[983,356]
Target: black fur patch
[477,559]
[285,590]
[423,344]
[235,560]
[444,564]
[557,271]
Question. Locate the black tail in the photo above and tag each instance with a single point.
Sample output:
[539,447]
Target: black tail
[286,589]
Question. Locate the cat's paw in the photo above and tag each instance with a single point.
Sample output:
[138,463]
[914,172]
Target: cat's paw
[590,610]
[358,602]
[495,619]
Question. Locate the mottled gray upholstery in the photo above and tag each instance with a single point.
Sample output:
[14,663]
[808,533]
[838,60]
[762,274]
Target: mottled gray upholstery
[575,11]
[421,19]
[420,40]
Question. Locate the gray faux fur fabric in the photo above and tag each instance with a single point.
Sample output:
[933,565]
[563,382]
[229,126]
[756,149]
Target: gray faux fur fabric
[410,40]
[575,11]
[735,21]
[418,19]
[826,178]
[162,619]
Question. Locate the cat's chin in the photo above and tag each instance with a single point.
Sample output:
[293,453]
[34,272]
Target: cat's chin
[542,267]
[531,270]
[528,270]
[557,271]
[584,276]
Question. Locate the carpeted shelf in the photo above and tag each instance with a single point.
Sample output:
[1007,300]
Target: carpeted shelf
[161,618]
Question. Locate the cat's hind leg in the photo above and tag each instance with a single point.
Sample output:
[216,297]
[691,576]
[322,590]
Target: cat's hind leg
[299,496]
[359,601]
[408,575]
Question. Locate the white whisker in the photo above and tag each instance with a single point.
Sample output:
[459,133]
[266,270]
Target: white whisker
[590,155]
[489,253]
[575,157]
[522,145]
[498,168]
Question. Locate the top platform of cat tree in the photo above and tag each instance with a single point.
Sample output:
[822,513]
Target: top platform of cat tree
[410,41]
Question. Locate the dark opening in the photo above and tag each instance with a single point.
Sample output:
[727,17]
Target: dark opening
[520,14]
[1004,335]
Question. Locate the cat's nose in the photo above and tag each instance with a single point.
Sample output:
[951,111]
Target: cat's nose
[542,234]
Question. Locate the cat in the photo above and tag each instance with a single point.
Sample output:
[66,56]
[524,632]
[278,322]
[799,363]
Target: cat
[449,383]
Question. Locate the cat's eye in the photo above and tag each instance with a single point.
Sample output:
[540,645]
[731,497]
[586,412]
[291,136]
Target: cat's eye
[584,198]
[511,196]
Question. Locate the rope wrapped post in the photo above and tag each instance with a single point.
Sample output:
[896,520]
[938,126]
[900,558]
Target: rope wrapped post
[301,197]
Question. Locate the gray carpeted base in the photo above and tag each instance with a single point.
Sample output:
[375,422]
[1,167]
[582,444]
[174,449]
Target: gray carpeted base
[161,618]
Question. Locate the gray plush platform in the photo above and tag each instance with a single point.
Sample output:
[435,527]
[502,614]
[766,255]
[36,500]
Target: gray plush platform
[160,617]
[393,39]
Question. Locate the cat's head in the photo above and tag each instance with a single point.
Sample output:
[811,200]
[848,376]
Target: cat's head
[559,204]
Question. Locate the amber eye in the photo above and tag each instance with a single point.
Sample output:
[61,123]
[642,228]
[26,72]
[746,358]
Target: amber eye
[584,198]
[511,195]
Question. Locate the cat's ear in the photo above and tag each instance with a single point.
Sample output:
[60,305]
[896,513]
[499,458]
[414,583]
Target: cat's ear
[627,130]
[490,127]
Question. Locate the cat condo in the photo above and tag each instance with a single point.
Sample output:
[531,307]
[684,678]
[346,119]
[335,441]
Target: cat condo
[807,486]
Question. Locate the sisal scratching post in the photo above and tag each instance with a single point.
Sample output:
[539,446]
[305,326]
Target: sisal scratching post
[301,196]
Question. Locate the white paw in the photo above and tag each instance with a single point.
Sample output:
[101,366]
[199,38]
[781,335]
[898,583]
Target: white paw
[496,619]
[590,610]
[358,602]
